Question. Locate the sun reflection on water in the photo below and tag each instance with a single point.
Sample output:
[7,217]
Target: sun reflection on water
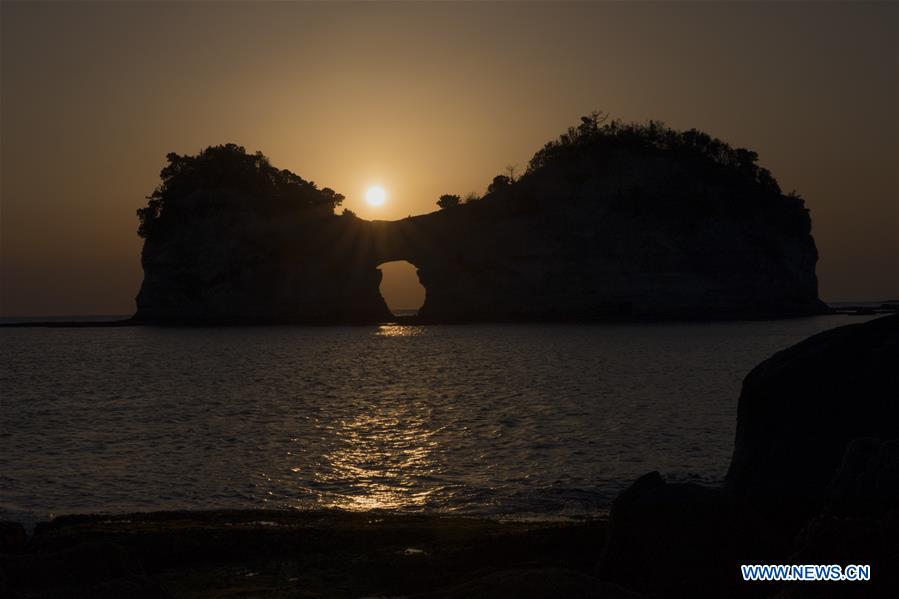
[399,330]
[378,462]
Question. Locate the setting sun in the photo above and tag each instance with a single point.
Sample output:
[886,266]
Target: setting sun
[375,195]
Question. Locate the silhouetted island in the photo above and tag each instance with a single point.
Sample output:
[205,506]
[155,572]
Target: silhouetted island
[611,220]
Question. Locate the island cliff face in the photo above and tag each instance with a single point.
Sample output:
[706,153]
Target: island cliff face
[610,221]
[305,273]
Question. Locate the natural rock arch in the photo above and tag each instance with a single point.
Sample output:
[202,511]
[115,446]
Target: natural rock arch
[612,220]
[481,263]
[401,287]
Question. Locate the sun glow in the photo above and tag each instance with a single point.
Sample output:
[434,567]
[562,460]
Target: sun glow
[375,195]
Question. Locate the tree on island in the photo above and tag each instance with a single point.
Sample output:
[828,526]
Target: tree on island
[597,136]
[704,177]
[499,183]
[226,178]
[448,201]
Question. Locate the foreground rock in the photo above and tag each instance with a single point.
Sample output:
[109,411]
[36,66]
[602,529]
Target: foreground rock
[858,523]
[814,480]
[800,409]
[303,554]
[534,583]
[12,537]
[85,569]
[681,540]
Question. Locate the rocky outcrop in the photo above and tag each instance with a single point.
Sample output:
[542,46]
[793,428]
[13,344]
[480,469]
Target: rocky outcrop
[867,482]
[314,271]
[545,257]
[681,540]
[859,521]
[814,480]
[88,569]
[613,222]
[295,553]
[12,537]
[799,410]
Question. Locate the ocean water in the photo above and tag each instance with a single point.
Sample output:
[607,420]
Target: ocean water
[530,420]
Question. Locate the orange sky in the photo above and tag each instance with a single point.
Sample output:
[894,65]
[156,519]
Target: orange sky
[423,99]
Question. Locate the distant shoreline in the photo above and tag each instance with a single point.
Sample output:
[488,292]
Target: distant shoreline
[127,322]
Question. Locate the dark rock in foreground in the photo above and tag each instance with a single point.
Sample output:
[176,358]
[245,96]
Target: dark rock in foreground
[859,521]
[867,482]
[534,583]
[304,554]
[12,537]
[814,480]
[681,540]
[88,568]
[800,409]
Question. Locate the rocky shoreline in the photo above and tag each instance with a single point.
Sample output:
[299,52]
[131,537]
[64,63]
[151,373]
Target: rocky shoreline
[299,554]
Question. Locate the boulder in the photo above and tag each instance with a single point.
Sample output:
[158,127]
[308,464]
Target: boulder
[12,537]
[816,453]
[681,540]
[799,410]
[867,482]
[858,524]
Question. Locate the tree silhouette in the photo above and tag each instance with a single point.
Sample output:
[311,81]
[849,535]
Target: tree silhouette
[500,183]
[193,187]
[448,201]
[591,123]
[597,136]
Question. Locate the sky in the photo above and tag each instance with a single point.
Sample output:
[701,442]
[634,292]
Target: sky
[423,99]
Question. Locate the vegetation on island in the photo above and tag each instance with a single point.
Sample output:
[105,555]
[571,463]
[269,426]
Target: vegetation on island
[598,220]
[448,200]
[652,170]
[221,179]
[596,133]
[642,168]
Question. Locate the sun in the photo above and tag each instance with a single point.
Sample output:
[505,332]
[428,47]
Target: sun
[375,195]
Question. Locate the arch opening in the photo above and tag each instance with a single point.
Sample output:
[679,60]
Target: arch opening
[401,288]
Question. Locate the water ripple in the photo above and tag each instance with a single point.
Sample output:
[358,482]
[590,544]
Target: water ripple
[487,419]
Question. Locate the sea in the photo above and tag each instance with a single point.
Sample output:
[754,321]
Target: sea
[539,421]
